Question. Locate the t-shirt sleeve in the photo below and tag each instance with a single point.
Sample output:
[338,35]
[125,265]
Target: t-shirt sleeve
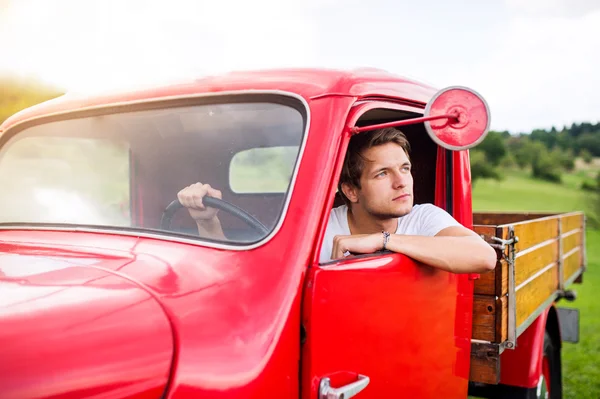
[434,219]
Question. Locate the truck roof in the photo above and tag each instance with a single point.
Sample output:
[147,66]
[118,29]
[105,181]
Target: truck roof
[309,83]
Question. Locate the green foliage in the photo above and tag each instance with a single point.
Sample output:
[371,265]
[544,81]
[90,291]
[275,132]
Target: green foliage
[586,156]
[18,94]
[494,147]
[589,142]
[546,166]
[566,158]
[481,168]
[587,186]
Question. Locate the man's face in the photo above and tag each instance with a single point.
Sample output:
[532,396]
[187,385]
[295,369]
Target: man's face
[386,183]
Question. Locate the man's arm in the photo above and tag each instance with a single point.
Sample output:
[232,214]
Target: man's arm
[455,249]
[206,219]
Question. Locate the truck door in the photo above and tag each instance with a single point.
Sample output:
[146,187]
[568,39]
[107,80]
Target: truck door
[384,326]
[388,319]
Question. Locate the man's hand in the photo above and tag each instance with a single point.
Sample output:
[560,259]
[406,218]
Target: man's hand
[357,244]
[191,198]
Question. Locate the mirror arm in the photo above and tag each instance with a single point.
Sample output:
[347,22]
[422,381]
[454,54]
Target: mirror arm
[403,122]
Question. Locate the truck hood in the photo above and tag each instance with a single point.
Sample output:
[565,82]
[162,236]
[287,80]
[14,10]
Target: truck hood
[69,294]
[70,326]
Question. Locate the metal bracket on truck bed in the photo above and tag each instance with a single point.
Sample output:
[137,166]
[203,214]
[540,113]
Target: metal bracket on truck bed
[507,246]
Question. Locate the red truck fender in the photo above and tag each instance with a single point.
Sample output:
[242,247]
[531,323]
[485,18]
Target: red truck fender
[522,367]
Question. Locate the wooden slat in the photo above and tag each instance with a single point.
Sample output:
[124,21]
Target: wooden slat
[571,241]
[571,264]
[486,284]
[484,318]
[571,222]
[489,218]
[485,364]
[530,263]
[502,279]
[532,295]
[535,232]
[501,319]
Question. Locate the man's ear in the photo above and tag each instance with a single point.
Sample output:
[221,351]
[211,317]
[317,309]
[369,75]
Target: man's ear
[350,192]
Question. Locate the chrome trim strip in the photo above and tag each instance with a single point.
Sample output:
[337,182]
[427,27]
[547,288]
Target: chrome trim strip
[511,342]
[577,230]
[561,279]
[536,275]
[531,318]
[165,237]
[571,252]
[571,279]
[479,341]
[536,246]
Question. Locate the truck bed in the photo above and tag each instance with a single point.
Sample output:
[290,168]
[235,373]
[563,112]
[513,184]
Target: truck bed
[547,257]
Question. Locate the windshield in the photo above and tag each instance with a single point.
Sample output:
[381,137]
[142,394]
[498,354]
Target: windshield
[123,169]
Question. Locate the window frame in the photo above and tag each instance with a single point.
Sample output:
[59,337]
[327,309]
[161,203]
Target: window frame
[274,96]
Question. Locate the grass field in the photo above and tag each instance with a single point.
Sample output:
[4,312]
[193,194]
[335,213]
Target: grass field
[581,362]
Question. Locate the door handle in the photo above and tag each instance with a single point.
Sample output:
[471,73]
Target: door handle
[344,392]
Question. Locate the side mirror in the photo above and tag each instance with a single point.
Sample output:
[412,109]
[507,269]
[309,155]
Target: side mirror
[469,123]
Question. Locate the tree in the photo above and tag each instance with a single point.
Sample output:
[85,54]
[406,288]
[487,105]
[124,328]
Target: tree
[481,168]
[586,156]
[589,142]
[494,147]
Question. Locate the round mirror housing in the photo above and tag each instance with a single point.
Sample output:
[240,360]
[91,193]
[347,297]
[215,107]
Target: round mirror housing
[468,120]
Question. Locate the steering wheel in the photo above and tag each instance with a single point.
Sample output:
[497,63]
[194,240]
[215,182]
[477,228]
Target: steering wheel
[169,212]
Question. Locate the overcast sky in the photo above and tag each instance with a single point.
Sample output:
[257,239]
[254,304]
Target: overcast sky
[537,62]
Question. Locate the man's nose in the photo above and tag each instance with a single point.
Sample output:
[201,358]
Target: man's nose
[399,180]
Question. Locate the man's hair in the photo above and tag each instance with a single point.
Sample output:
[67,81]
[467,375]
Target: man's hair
[354,163]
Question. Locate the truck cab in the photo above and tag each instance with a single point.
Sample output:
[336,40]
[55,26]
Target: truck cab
[108,289]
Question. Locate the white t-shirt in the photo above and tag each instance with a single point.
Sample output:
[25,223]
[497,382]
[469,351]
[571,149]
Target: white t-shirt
[422,220]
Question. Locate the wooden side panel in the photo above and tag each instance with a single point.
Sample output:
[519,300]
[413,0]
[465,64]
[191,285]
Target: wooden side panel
[484,318]
[502,278]
[571,222]
[535,293]
[495,282]
[490,318]
[501,319]
[485,364]
[490,218]
[486,284]
[535,232]
[571,241]
[531,262]
[490,283]
[571,264]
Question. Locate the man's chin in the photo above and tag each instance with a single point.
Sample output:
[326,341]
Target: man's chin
[393,214]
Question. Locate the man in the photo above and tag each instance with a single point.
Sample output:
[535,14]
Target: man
[377,186]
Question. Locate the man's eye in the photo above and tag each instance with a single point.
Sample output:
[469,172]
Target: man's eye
[382,173]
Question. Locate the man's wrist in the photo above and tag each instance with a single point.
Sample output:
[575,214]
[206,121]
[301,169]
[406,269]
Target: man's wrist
[386,240]
[209,224]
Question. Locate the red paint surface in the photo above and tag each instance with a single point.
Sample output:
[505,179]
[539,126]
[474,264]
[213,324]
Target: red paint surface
[523,366]
[377,317]
[234,316]
[308,83]
[70,329]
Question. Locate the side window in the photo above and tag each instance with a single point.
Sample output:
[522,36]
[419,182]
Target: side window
[423,157]
[66,180]
[262,170]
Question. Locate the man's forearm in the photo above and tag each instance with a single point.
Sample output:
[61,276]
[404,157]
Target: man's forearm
[466,254]
[210,228]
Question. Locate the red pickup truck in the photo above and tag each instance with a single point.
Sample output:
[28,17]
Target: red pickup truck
[108,291]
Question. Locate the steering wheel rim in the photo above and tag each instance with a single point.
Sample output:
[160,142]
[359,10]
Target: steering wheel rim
[174,206]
